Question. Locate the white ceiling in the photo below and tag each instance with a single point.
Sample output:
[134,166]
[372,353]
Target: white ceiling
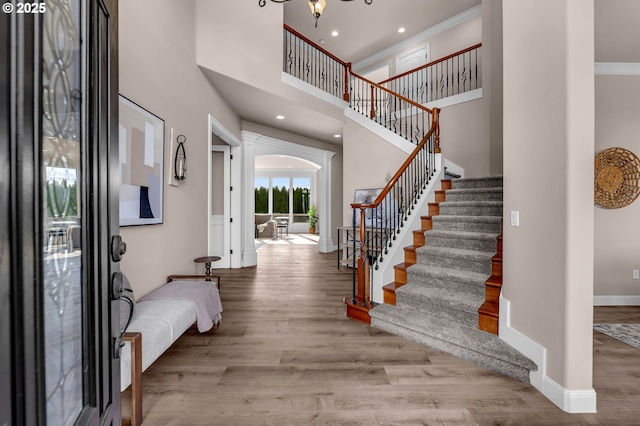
[368,29]
[364,30]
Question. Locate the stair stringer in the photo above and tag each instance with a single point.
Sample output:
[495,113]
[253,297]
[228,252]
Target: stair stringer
[385,272]
[380,131]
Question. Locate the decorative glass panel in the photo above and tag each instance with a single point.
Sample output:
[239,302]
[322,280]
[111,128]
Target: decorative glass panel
[62,189]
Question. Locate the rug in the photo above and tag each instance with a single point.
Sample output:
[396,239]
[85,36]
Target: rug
[295,239]
[627,333]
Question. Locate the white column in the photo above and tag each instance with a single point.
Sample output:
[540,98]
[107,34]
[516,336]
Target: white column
[325,244]
[549,122]
[250,256]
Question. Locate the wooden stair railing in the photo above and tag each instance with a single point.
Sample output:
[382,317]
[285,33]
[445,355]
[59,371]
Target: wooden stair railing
[379,221]
[312,64]
[396,113]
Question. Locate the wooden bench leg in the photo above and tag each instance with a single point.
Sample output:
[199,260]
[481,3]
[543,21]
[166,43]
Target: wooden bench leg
[135,339]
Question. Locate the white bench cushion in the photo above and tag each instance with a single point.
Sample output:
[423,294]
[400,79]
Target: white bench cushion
[161,322]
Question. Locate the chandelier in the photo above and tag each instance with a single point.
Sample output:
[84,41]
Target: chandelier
[316,6]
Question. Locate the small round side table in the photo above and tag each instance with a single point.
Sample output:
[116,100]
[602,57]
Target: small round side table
[207,262]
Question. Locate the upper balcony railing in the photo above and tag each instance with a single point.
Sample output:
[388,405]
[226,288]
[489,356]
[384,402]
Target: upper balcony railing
[305,60]
[396,113]
[452,75]
[312,64]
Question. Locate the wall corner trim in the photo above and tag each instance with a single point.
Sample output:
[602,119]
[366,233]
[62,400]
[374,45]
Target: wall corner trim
[571,401]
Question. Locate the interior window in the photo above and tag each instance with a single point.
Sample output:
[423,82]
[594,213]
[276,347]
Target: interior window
[262,195]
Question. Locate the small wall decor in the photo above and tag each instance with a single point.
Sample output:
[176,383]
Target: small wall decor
[180,160]
[616,178]
[141,154]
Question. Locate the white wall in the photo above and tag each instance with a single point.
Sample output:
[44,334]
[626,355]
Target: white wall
[464,136]
[548,178]
[158,71]
[369,162]
[241,40]
[617,231]
[492,80]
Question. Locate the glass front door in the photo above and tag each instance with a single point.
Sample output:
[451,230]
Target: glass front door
[59,340]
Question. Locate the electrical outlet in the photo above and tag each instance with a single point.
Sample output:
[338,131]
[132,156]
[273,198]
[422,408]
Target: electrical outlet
[636,274]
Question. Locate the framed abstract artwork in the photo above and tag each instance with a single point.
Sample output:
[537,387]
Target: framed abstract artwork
[364,196]
[386,214]
[141,136]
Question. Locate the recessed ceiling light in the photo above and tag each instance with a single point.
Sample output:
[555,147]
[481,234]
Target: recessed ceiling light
[401,30]
[280,117]
[337,136]
[322,41]
[335,33]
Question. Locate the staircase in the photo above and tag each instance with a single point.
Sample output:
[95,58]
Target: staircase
[445,279]
[440,287]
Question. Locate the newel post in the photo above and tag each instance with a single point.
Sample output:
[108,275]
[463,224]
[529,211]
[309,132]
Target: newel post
[372,113]
[347,71]
[363,263]
[435,125]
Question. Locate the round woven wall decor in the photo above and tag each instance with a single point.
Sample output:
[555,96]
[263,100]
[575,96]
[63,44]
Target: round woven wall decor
[617,178]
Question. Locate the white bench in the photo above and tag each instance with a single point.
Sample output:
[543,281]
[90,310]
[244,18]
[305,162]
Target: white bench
[154,327]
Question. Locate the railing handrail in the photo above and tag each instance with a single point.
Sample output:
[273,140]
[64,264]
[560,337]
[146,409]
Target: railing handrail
[392,93]
[326,52]
[435,127]
[432,63]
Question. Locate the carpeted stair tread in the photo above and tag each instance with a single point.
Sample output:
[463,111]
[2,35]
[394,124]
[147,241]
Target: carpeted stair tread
[455,258]
[473,255]
[480,223]
[467,343]
[470,240]
[471,203]
[479,182]
[463,302]
[468,277]
[462,307]
[472,235]
[471,208]
[467,218]
[472,194]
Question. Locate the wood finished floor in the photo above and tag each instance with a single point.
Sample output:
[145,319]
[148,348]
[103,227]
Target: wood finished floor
[286,355]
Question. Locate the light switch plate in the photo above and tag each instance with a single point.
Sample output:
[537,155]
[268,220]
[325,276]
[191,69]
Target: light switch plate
[515,218]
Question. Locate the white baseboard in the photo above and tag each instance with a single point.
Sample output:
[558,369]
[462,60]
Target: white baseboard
[250,257]
[616,300]
[571,401]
